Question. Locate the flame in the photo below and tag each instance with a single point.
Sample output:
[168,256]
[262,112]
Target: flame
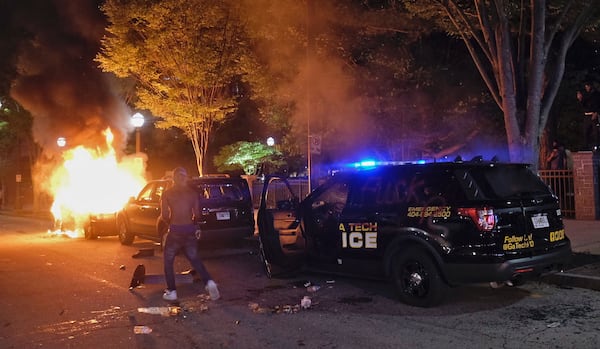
[93,182]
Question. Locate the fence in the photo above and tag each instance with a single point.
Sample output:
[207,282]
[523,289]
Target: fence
[561,182]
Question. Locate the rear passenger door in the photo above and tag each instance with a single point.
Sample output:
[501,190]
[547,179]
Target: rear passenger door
[144,212]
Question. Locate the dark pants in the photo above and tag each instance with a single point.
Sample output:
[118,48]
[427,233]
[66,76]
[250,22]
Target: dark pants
[182,238]
[590,133]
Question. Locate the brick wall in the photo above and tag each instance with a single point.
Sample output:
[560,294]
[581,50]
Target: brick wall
[585,172]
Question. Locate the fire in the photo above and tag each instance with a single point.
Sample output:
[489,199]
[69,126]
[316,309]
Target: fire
[91,181]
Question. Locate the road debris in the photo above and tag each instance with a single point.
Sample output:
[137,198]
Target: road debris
[163,311]
[305,302]
[141,330]
[144,252]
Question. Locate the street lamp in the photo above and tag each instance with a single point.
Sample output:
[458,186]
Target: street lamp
[61,142]
[137,120]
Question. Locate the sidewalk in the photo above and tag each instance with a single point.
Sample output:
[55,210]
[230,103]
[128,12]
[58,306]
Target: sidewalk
[584,271]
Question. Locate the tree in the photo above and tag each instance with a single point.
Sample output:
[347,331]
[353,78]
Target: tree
[185,56]
[519,49]
[248,156]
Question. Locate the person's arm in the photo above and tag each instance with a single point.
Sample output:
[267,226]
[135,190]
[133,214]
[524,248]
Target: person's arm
[196,209]
[552,155]
[165,211]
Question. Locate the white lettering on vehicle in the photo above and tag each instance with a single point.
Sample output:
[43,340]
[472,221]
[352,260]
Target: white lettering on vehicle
[359,235]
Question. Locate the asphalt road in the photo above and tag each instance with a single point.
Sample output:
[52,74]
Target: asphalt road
[58,292]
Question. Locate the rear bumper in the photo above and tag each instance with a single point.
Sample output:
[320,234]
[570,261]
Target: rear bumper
[227,234]
[528,267]
[104,224]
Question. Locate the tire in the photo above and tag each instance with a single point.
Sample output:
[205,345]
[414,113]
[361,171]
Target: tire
[125,236]
[417,278]
[88,233]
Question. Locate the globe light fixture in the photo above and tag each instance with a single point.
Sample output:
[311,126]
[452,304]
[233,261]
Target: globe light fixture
[137,120]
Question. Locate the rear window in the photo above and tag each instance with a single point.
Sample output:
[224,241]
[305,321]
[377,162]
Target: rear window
[221,191]
[508,182]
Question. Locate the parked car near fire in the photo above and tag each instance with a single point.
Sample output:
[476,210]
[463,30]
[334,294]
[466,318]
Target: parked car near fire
[424,227]
[226,205]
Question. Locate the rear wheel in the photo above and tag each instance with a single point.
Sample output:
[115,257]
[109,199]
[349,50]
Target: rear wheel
[125,236]
[417,278]
[89,233]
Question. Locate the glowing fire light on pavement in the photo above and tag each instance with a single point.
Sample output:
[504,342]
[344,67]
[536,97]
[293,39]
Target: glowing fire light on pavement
[90,182]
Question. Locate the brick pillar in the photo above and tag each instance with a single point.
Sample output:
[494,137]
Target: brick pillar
[586,166]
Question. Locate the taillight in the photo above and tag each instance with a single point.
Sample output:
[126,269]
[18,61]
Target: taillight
[483,218]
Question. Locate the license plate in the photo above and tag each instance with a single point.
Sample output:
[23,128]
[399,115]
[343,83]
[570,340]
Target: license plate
[223,216]
[540,222]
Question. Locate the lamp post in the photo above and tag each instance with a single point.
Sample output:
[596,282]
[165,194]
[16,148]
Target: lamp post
[137,120]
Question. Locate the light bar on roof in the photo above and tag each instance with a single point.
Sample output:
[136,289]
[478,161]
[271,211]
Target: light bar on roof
[366,164]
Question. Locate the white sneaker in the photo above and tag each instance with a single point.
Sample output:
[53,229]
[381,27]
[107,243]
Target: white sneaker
[170,295]
[212,289]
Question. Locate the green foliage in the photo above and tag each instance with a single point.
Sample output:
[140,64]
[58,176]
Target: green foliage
[247,156]
[184,55]
[15,129]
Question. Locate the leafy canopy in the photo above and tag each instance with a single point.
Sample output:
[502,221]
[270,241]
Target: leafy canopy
[248,156]
[185,55]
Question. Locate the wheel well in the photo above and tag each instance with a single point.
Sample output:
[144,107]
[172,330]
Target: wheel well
[405,243]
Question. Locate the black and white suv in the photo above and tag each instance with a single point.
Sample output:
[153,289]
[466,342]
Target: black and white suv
[227,212]
[422,226]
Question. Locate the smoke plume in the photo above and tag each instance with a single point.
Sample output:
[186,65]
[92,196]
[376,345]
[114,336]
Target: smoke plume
[58,82]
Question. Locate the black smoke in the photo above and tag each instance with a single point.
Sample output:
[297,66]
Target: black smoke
[57,78]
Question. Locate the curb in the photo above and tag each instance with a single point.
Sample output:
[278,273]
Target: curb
[581,277]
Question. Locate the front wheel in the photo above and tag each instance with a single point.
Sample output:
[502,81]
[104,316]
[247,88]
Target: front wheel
[417,278]
[125,236]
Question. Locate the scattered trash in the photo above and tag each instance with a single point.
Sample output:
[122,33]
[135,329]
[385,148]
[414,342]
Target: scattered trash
[145,252]
[122,267]
[138,278]
[313,288]
[286,309]
[237,322]
[164,311]
[495,284]
[257,309]
[554,324]
[301,283]
[330,281]
[141,329]
[305,302]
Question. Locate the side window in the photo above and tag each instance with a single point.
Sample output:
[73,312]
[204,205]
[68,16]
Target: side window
[158,191]
[434,189]
[394,190]
[146,193]
[333,198]
[369,191]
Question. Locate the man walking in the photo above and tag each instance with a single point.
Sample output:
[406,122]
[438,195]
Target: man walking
[180,209]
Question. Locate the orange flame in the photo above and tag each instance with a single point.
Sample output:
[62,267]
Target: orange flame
[93,182]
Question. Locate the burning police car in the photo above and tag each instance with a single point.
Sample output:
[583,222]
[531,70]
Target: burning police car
[424,227]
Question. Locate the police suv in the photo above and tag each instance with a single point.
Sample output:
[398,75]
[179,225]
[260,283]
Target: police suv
[424,227]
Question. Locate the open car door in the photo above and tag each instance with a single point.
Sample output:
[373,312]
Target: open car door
[281,242]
